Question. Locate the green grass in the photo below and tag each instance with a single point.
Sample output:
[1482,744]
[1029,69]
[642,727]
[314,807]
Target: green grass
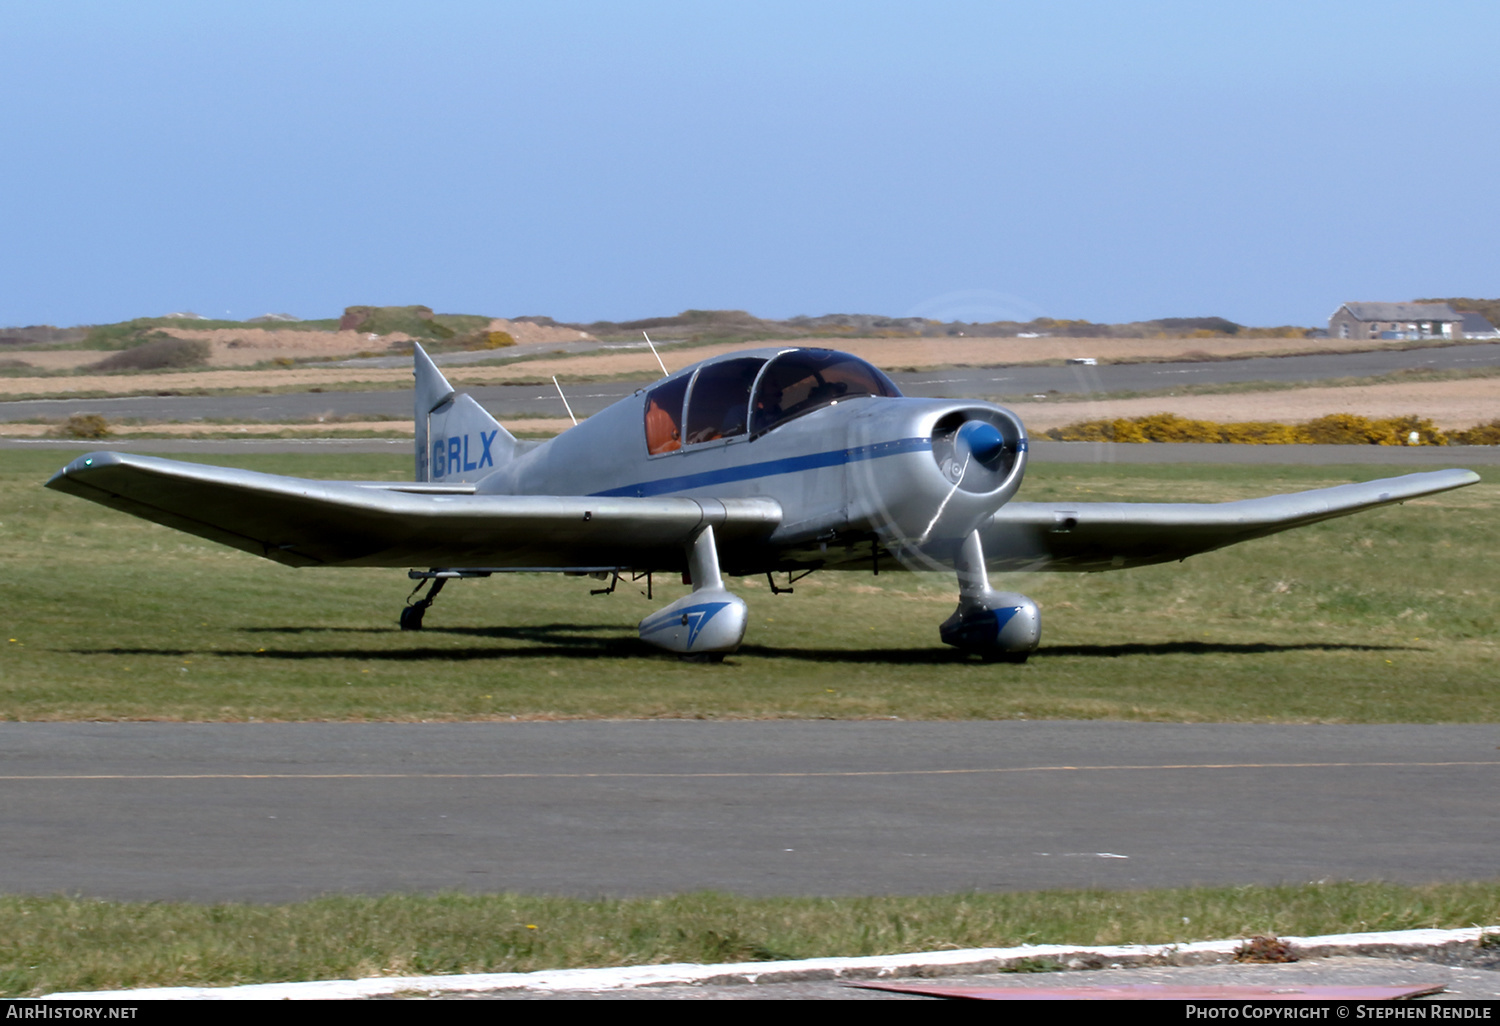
[66,944]
[1390,616]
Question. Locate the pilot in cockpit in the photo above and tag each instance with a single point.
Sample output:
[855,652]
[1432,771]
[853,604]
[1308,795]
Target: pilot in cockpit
[768,403]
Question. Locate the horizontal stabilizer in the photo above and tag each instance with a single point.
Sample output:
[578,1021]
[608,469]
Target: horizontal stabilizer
[1116,535]
[343,523]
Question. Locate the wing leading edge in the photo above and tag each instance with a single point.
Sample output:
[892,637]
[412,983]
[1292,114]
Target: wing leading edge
[302,522]
[1116,535]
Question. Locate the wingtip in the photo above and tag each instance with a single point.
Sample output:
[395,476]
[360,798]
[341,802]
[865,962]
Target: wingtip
[1435,481]
[1458,477]
[82,465]
[89,460]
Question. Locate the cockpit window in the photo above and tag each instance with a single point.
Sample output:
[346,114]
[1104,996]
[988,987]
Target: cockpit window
[664,416]
[804,380]
[719,405]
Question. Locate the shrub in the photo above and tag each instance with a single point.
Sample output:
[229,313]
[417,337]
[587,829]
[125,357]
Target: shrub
[1264,950]
[1400,429]
[84,425]
[162,353]
[1084,431]
[416,321]
[1341,429]
[1168,427]
[1334,429]
[1257,432]
[1479,434]
[1351,429]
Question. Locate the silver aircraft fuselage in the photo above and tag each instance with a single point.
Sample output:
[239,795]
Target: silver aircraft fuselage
[856,472]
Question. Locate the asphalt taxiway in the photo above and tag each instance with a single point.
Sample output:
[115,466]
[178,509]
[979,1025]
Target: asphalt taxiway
[279,812]
[540,398]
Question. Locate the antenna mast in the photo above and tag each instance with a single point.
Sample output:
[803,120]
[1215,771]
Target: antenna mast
[655,354]
[564,399]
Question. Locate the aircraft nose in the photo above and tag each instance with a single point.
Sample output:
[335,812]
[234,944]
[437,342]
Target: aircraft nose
[980,448]
[983,440]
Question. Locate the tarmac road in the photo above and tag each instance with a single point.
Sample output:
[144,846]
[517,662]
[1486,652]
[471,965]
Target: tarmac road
[1151,377]
[1420,457]
[512,400]
[278,812]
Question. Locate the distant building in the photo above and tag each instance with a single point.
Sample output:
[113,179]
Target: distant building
[1395,321]
[1477,326]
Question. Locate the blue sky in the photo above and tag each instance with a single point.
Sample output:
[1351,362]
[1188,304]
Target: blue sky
[1263,161]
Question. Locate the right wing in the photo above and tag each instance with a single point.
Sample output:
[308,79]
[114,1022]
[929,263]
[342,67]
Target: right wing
[1116,535]
[342,523]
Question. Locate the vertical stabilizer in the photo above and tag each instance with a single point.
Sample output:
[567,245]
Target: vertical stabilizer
[457,440]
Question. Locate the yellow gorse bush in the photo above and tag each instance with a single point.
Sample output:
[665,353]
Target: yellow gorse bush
[1334,429]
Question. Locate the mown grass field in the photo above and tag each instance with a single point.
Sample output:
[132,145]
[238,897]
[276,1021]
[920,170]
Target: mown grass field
[49,945]
[1390,616]
[1386,617]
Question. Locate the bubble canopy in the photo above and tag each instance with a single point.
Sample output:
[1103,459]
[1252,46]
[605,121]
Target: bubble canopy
[802,380]
[752,394]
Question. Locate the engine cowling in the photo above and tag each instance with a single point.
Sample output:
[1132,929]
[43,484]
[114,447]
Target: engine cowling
[922,505]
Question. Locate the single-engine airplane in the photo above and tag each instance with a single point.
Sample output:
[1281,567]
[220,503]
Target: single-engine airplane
[761,461]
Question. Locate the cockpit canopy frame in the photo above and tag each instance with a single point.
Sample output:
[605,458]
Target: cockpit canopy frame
[744,397]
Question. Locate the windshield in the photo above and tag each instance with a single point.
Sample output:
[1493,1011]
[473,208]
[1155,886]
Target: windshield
[807,379]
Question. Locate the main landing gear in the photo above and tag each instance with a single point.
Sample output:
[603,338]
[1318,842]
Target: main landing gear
[709,622]
[411,616]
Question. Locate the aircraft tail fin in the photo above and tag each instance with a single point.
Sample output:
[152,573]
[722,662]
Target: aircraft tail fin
[457,440]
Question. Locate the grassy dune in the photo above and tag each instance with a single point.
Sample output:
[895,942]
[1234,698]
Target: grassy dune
[1386,617]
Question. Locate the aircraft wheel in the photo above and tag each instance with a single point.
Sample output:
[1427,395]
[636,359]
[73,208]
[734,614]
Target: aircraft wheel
[704,657]
[411,618]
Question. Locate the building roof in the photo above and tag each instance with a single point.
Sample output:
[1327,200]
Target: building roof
[1476,323]
[1402,311]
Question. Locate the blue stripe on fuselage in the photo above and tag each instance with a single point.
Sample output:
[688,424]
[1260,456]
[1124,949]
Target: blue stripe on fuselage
[770,468]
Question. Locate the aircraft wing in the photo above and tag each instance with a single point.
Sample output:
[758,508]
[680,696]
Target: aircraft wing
[302,522]
[1115,535]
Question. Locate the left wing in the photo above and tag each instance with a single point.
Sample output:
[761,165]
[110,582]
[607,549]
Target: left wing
[1116,535]
[301,522]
